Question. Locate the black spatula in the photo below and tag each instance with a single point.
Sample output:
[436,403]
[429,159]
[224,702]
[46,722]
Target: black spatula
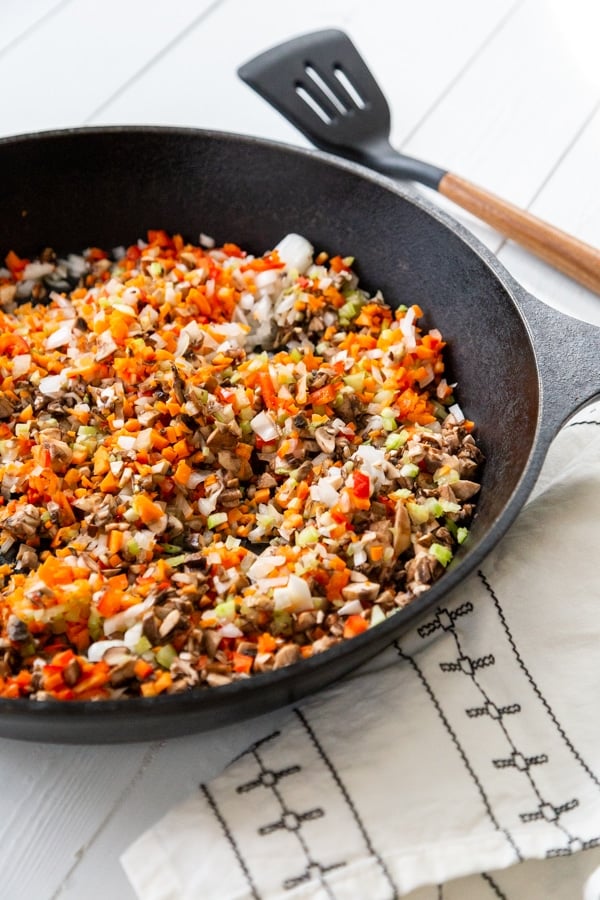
[322,85]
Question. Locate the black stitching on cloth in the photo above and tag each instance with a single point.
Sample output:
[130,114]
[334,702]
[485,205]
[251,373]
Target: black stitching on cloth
[532,682]
[230,838]
[494,887]
[267,777]
[344,792]
[458,745]
[289,820]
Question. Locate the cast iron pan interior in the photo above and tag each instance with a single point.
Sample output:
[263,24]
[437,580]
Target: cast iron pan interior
[105,187]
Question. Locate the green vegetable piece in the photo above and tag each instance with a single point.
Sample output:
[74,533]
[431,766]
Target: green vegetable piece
[143,645]
[216,519]
[95,625]
[165,655]
[441,553]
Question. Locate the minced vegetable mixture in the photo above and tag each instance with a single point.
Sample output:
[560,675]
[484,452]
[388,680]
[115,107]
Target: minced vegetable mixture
[212,464]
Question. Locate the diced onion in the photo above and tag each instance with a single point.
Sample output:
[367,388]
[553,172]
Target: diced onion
[264,426]
[51,384]
[295,596]
[261,567]
[351,608]
[21,364]
[296,252]
[229,630]
[457,412]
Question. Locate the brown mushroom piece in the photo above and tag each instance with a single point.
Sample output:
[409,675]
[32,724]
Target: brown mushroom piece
[361,590]
[286,655]
[325,438]
[463,490]
[24,523]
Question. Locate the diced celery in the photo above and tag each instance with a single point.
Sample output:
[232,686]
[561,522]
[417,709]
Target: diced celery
[170,548]
[462,534]
[435,507]
[282,622]
[95,624]
[308,535]
[441,553]
[165,656]
[396,440]
[348,311]
[409,470]
[225,610]
[418,514]
[175,561]
[356,381]
[143,645]
[155,269]
[216,519]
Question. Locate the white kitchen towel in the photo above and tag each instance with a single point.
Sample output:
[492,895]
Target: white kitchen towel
[471,745]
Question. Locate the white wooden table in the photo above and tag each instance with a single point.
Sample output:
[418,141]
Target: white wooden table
[506,93]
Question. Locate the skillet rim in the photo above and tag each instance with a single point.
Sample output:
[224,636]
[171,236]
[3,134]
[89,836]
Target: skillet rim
[162,708]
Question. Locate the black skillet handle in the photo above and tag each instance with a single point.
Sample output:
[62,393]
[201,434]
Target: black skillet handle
[568,353]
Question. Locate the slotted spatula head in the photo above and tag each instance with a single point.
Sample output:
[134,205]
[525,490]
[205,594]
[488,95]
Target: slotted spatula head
[320,82]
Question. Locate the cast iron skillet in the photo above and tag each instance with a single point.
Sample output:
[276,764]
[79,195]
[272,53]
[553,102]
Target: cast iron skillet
[522,368]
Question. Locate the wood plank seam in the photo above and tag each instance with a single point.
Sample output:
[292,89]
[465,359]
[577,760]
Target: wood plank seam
[559,160]
[502,22]
[34,26]
[208,11]
[79,854]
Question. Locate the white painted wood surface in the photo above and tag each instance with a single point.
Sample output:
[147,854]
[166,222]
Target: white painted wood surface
[506,93]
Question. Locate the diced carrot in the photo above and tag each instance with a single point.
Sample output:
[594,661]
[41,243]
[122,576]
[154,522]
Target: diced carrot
[335,582]
[182,472]
[142,669]
[323,396]
[266,643]
[147,509]
[242,663]
[354,625]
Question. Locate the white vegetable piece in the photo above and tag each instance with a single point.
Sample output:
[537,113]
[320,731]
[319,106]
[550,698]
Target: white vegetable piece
[294,597]
[296,252]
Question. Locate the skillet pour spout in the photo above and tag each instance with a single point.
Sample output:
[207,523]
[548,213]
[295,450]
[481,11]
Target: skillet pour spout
[521,368]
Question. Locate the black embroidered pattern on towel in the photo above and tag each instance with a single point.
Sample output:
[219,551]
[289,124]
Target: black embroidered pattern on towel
[446,616]
[231,840]
[470,667]
[549,812]
[348,800]
[290,820]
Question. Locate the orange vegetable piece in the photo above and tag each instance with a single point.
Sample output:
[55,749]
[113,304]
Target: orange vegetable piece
[355,625]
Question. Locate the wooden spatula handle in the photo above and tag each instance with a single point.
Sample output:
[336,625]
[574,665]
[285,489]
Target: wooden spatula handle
[571,256]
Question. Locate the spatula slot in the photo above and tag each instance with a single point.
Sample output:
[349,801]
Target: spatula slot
[329,93]
[313,104]
[350,89]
